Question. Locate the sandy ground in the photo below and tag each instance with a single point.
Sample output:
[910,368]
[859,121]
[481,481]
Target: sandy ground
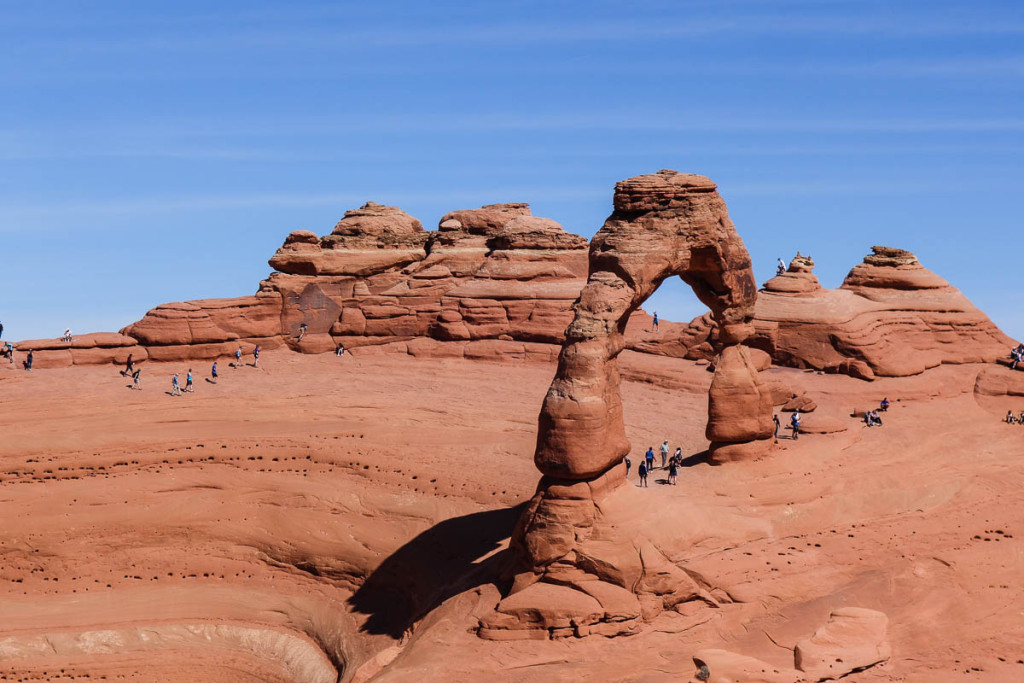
[300,519]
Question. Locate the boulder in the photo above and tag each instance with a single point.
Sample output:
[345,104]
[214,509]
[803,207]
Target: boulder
[854,638]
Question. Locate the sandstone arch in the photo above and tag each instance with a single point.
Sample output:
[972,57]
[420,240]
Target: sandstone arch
[583,567]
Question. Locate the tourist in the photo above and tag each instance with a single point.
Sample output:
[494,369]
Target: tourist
[302,331]
[678,455]
[10,352]
[256,356]
[129,366]
[655,321]
[28,360]
[642,472]
[629,463]
[664,453]
[781,268]
[137,379]
[1020,419]
[188,382]
[67,335]
[175,389]
[672,472]
[238,357]
[1016,356]
[1010,419]
[213,372]
[649,457]
[867,418]
[794,423]
[340,351]
[778,425]
[884,405]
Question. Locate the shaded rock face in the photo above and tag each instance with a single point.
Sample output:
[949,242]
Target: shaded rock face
[583,568]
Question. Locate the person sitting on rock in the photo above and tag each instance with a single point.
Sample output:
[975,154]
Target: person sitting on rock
[884,405]
[867,419]
[794,424]
[1010,419]
[302,331]
[875,419]
[340,351]
[642,472]
[67,335]
[1020,418]
[1016,356]
[781,268]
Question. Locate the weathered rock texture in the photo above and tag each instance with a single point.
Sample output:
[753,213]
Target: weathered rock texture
[892,317]
[585,568]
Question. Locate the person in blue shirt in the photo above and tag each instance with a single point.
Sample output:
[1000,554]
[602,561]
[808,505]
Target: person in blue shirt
[649,457]
[213,372]
[175,389]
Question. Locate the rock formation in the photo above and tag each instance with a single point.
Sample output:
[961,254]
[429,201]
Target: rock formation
[584,567]
[891,317]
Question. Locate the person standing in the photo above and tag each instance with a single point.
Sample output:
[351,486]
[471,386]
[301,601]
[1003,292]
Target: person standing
[664,453]
[678,455]
[238,357]
[213,372]
[642,472]
[655,321]
[137,379]
[673,470]
[629,463]
[794,422]
[778,426]
[188,382]
[129,366]
[649,458]
[256,356]
[29,359]
[10,352]
[1,329]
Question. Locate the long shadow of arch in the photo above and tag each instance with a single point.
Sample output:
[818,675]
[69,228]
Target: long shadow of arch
[439,563]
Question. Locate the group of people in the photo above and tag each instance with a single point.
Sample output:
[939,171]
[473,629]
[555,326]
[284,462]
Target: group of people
[647,464]
[794,424]
[1011,419]
[1016,356]
[135,374]
[871,417]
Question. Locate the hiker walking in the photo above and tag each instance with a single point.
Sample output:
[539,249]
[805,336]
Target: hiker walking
[175,389]
[655,321]
[188,382]
[238,357]
[213,372]
[137,379]
[302,331]
[129,366]
[256,356]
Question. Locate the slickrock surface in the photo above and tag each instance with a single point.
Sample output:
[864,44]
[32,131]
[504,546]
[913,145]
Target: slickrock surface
[327,514]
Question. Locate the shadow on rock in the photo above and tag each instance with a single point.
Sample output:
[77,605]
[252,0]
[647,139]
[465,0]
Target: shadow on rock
[441,562]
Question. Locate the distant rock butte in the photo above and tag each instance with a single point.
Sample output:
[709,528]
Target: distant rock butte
[499,283]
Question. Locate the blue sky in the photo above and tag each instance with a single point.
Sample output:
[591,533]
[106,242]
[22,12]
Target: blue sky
[160,151]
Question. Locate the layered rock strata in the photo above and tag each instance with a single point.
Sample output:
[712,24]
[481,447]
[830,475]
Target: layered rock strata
[892,317]
[584,566]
